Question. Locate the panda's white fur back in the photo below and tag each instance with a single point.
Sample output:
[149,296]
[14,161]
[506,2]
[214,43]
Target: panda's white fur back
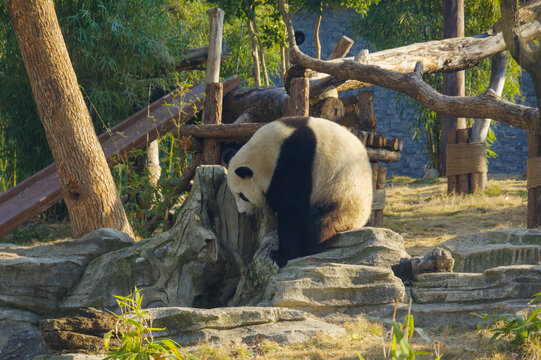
[341,171]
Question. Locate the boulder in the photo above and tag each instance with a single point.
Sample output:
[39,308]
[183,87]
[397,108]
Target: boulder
[189,326]
[451,298]
[197,263]
[82,331]
[367,246]
[36,278]
[478,252]
[335,290]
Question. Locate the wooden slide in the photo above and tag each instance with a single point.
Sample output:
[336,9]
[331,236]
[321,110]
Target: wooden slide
[42,190]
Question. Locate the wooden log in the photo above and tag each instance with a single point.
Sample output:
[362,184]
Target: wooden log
[329,108]
[452,181]
[222,132]
[394,144]
[359,110]
[299,101]
[216,18]
[341,48]
[383,155]
[194,59]
[437,56]
[463,181]
[212,111]
[262,104]
[296,71]
[367,116]
[534,193]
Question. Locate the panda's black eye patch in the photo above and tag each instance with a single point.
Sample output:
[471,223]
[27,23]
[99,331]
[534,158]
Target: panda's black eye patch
[244,172]
[241,195]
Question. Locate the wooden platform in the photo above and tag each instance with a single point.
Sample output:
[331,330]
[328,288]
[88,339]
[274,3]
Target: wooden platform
[42,190]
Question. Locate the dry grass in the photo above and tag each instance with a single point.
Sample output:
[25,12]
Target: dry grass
[423,213]
[368,339]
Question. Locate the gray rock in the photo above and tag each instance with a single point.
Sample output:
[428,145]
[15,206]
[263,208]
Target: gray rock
[24,345]
[188,326]
[497,284]
[481,251]
[366,246]
[13,321]
[37,277]
[442,315]
[197,263]
[333,288]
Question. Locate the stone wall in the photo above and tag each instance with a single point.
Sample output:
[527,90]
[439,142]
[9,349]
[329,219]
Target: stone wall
[511,145]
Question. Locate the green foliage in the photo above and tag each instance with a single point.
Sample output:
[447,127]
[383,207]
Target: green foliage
[518,330]
[318,6]
[118,48]
[147,205]
[138,342]
[394,23]
[401,335]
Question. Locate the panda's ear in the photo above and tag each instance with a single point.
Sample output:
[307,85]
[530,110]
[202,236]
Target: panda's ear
[228,155]
[244,172]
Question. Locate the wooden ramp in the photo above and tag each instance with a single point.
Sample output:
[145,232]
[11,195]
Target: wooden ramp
[42,190]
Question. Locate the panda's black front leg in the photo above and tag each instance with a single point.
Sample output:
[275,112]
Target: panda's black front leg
[290,237]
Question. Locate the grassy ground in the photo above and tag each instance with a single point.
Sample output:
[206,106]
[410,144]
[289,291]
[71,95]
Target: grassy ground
[424,215]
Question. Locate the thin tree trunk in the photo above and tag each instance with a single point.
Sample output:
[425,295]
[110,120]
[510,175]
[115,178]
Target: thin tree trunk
[255,57]
[283,67]
[261,54]
[316,37]
[85,179]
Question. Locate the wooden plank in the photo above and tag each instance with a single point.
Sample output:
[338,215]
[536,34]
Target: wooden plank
[42,190]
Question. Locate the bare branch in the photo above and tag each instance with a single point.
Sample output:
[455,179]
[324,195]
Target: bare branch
[488,105]
[437,56]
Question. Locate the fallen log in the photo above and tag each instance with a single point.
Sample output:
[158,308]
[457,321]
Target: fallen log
[259,105]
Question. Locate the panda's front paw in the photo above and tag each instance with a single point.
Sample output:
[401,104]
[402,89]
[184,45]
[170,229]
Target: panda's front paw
[278,259]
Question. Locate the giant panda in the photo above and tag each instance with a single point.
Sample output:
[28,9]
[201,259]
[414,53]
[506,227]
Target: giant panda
[312,173]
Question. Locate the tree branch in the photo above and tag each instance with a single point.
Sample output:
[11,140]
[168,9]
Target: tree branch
[517,44]
[489,105]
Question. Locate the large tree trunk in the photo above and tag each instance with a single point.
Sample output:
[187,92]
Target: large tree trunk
[85,180]
[453,83]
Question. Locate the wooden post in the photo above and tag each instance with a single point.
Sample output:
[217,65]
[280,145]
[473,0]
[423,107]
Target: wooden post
[534,193]
[463,181]
[212,111]
[341,48]
[379,175]
[299,100]
[453,83]
[452,181]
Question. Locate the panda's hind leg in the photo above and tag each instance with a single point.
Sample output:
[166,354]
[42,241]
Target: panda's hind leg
[321,225]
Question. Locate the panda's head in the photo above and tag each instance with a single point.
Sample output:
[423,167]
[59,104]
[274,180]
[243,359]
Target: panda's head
[242,181]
